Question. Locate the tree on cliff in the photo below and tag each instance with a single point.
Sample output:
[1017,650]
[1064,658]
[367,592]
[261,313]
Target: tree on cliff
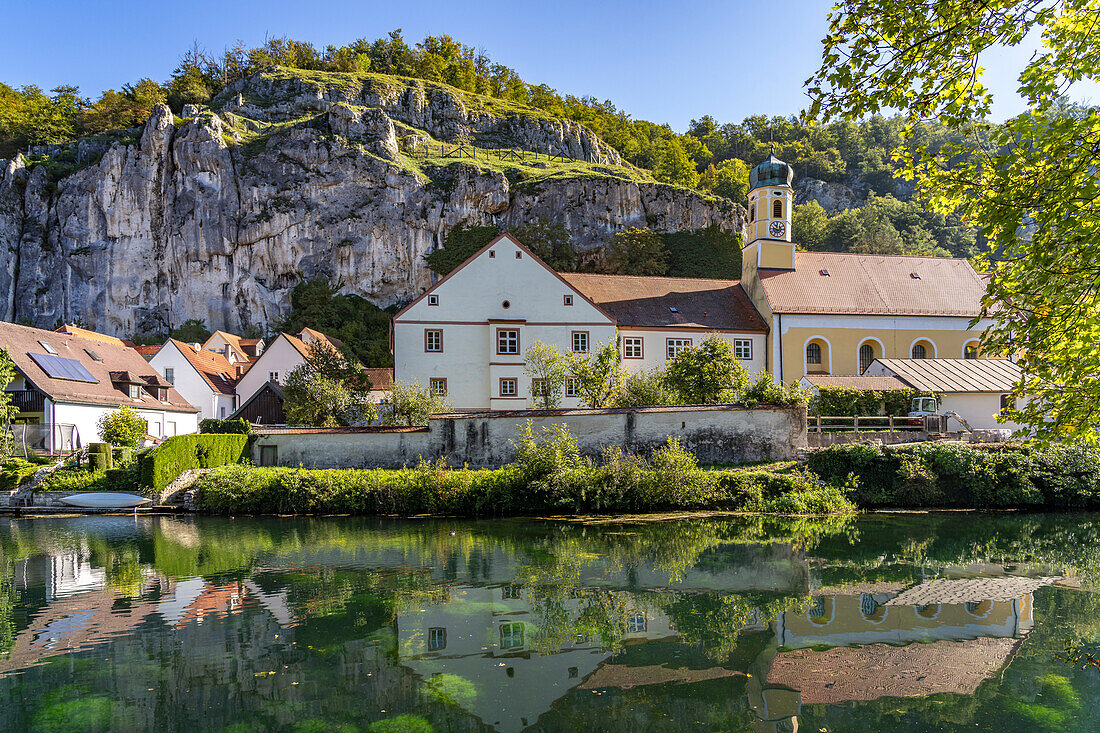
[1029,184]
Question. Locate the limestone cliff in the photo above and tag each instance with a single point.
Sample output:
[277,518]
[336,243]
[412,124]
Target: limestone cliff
[291,175]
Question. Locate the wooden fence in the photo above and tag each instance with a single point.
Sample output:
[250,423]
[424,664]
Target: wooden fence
[863,423]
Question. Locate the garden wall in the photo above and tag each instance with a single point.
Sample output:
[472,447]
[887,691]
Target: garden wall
[714,433]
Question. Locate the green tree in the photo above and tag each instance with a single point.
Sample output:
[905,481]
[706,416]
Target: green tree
[707,373]
[411,404]
[599,373]
[548,369]
[674,166]
[459,245]
[1028,184]
[329,390]
[729,179]
[809,226]
[361,325]
[647,388]
[637,252]
[123,427]
[191,331]
[551,241]
[8,411]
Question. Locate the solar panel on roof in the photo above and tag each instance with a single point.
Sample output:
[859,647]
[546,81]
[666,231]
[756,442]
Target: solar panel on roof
[58,367]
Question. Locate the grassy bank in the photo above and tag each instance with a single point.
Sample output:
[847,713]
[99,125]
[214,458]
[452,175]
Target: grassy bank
[1013,475]
[548,476]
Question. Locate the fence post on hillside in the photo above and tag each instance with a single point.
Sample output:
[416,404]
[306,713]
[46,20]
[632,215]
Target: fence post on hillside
[891,423]
[855,423]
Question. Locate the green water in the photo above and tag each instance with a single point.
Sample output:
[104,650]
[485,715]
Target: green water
[888,622]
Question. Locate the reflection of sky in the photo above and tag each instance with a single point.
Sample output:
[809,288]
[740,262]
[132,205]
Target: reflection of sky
[54,631]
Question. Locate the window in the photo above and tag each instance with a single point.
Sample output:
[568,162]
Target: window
[777,209]
[632,347]
[573,672]
[135,391]
[221,412]
[1007,403]
[572,387]
[511,635]
[437,638]
[752,211]
[507,387]
[580,342]
[492,254]
[742,348]
[866,356]
[273,377]
[919,352]
[510,593]
[519,255]
[813,353]
[433,300]
[971,351]
[433,340]
[567,300]
[635,622]
[507,341]
[93,355]
[538,388]
[169,429]
[675,346]
[49,349]
[170,375]
[438,386]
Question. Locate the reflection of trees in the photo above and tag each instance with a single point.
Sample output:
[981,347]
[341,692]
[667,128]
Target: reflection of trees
[8,599]
[714,622]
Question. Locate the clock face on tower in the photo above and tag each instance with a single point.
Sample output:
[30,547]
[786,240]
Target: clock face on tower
[777,228]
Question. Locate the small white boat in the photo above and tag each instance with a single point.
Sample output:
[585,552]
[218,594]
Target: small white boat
[106,500]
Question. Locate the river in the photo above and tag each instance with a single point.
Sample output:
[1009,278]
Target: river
[944,621]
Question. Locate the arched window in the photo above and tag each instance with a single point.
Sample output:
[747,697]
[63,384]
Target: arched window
[919,352]
[971,350]
[866,356]
[752,211]
[777,209]
[813,353]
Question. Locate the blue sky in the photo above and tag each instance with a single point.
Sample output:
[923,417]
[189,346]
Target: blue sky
[664,62]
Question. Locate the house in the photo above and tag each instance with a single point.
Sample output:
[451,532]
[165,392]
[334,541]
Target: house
[65,383]
[835,313]
[205,378]
[236,350]
[466,336]
[274,362]
[976,389]
[265,406]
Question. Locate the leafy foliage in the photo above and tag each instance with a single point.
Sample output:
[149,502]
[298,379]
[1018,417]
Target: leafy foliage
[214,426]
[598,372]
[123,427]
[409,404]
[330,389]
[160,466]
[458,246]
[548,369]
[8,411]
[362,326]
[637,252]
[1028,184]
[707,373]
[845,402]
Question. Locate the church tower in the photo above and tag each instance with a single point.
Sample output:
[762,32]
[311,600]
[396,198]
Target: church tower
[771,201]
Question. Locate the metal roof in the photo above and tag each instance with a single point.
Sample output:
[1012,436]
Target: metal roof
[955,375]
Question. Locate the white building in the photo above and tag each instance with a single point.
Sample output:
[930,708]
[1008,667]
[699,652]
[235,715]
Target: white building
[283,355]
[240,352]
[65,383]
[205,378]
[465,337]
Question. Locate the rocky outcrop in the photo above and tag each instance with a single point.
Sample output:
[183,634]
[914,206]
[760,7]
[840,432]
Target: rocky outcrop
[836,197]
[215,219]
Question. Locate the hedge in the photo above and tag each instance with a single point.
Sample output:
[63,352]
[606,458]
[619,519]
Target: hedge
[951,474]
[213,425]
[846,402]
[161,466]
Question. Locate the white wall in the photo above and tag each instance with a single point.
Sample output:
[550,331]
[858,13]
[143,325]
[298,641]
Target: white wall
[86,419]
[980,410]
[280,356]
[186,379]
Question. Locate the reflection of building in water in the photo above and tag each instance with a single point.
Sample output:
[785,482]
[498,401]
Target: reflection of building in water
[490,650]
[970,627]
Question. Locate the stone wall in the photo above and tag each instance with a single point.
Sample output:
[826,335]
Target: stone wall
[714,433]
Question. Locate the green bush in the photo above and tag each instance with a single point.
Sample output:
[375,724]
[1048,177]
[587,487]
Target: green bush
[214,426]
[104,450]
[952,474]
[75,479]
[98,462]
[846,402]
[16,472]
[161,466]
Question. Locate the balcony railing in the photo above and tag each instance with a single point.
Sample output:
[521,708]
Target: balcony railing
[27,400]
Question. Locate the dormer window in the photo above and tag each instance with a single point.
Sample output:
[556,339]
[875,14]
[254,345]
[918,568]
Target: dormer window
[135,391]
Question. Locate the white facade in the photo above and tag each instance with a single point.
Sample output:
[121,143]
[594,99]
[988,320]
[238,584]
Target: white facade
[277,361]
[468,333]
[190,383]
[162,423]
[657,344]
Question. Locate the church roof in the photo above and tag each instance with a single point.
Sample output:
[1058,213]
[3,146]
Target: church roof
[856,284]
[659,302]
[771,172]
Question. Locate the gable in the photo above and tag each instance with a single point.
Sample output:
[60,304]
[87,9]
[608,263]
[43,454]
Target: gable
[503,280]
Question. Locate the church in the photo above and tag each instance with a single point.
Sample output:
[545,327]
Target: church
[835,313]
[794,314]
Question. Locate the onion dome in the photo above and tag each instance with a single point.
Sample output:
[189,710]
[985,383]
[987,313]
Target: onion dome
[772,172]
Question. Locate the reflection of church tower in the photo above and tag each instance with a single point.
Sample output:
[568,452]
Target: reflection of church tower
[771,199]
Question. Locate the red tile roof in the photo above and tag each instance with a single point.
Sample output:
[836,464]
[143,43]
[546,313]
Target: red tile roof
[660,302]
[874,285]
[21,341]
[380,378]
[214,368]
